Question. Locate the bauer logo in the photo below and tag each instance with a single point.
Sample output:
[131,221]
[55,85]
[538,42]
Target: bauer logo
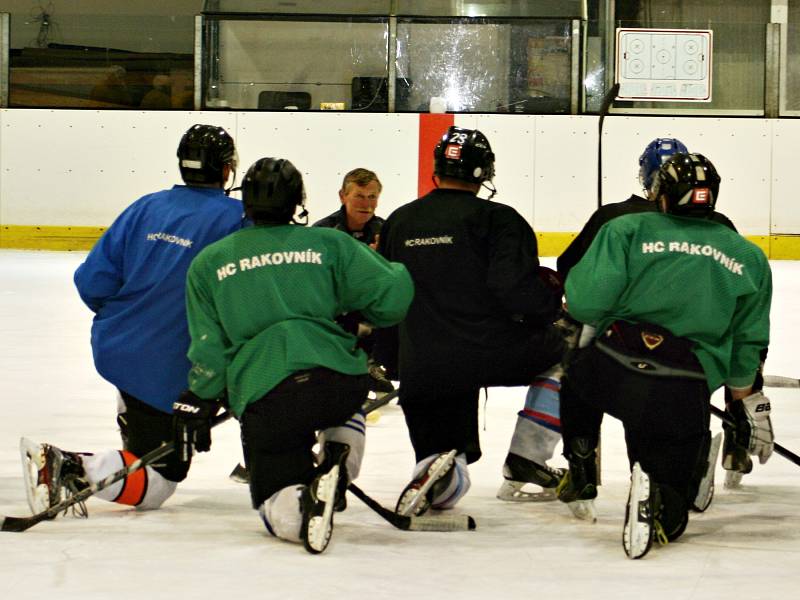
[701,196]
[453,151]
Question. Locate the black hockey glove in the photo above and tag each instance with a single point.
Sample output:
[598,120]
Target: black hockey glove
[192,423]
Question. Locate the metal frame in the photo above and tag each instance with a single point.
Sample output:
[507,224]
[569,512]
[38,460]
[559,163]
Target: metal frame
[5,57]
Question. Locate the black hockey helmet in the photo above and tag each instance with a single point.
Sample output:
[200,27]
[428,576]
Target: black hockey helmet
[464,154]
[202,153]
[690,184]
[271,191]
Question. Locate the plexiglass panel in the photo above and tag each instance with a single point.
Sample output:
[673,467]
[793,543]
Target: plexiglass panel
[298,64]
[482,65]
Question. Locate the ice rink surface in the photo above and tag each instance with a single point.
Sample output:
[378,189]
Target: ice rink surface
[208,543]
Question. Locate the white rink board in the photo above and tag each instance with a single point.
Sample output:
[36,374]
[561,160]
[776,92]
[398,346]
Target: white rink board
[785,162]
[739,148]
[82,168]
[326,146]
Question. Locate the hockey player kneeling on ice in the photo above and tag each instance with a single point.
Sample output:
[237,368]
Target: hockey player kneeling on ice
[681,307]
[134,281]
[261,306]
[482,315]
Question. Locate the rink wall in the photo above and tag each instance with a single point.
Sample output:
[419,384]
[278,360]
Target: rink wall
[66,174]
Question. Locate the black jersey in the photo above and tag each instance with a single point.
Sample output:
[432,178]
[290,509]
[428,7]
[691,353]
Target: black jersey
[475,269]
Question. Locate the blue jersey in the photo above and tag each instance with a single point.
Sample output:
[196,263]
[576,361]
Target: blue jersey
[134,279]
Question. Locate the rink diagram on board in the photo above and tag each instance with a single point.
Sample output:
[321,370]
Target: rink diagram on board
[207,542]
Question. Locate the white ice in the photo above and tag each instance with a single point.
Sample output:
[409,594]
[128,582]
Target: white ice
[208,543]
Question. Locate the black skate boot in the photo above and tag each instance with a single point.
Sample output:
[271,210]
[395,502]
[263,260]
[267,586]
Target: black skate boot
[51,475]
[522,476]
[319,498]
[417,496]
[578,488]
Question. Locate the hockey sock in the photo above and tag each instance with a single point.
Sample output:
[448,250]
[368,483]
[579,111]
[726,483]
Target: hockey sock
[352,434]
[538,428]
[145,489]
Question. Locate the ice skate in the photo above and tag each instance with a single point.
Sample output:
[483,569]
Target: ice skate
[417,496]
[705,491]
[240,474]
[527,481]
[51,475]
[319,499]
[578,488]
[639,529]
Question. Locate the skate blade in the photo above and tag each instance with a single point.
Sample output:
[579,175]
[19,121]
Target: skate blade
[522,491]
[33,459]
[583,510]
[705,491]
[435,470]
[320,527]
[240,474]
[637,535]
[733,480]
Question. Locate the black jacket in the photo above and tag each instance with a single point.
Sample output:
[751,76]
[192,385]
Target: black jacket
[338,220]
[477,296]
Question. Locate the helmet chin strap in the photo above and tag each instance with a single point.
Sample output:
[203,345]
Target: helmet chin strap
[232,189]
[303,215]
[489,185]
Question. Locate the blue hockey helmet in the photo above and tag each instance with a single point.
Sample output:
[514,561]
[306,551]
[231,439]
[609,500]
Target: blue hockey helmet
[654,155]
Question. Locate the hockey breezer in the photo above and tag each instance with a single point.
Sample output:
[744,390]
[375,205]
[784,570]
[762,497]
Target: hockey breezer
[17,524]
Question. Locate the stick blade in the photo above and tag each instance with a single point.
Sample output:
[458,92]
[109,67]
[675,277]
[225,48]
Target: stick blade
[17,524]
[442,523]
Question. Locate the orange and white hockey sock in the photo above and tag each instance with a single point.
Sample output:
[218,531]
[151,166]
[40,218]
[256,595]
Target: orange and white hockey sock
[145,489]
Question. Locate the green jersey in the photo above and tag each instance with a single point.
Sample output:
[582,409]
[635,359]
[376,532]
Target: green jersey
[695,277]
[261,305]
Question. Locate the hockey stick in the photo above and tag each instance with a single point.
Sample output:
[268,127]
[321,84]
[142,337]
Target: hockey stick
[432,523]
[776,381]
[17,524]
[608,100]
[784,452]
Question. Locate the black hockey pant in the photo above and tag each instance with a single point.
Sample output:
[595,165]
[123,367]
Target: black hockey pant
[279,430]
[666,419]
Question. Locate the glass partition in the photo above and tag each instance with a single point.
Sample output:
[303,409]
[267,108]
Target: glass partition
[791,91]
[297,63]
[486,65]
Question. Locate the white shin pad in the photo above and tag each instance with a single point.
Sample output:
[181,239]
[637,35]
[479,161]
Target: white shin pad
[282,514]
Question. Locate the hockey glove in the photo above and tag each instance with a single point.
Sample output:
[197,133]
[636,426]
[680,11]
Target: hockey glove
[753,427]
[192,423]
[551,279]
